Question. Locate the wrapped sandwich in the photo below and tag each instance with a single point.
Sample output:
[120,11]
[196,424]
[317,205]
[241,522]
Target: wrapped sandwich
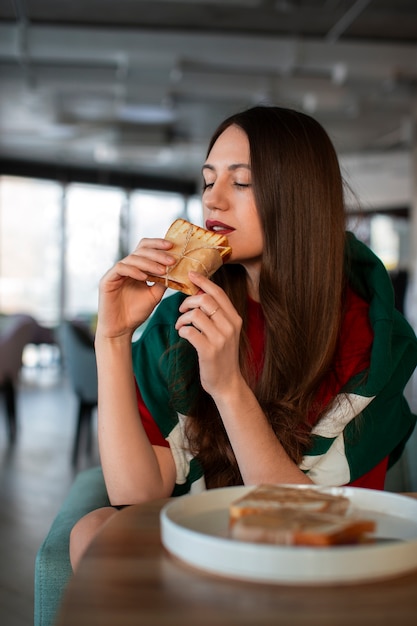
[297,516]
[195,249]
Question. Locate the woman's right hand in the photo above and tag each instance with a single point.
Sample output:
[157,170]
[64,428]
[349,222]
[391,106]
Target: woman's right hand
[126,299]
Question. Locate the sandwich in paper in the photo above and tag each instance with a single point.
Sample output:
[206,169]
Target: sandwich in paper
[195,249]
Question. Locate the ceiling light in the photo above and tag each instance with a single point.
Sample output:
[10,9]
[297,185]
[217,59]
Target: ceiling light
[146,114]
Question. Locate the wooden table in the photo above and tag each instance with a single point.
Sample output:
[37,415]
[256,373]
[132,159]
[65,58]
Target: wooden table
[127,578]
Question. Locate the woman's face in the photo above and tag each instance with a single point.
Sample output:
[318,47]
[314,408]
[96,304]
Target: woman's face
[228,201]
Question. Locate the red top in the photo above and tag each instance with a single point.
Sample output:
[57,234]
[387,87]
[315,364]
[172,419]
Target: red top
[353,357]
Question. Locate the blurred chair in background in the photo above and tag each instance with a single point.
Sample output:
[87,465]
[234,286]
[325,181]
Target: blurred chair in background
[16,331]
[403,475]
[79,359]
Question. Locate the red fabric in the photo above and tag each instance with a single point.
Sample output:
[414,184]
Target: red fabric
[353,353]
[354,349]
[256,327]
[149,424]
[374,479]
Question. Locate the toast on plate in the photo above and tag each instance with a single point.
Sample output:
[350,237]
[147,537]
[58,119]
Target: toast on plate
[284,515]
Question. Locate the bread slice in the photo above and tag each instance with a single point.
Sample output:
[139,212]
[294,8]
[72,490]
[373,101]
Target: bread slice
[288,515]
[270,498]
[196,249]
[302,528]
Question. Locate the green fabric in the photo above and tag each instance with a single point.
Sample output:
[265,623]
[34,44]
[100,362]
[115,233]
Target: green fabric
[52,565]
[394,338]
[155,364]
[385,425]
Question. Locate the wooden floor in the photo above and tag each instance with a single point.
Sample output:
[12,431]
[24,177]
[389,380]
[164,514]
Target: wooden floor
[35,476]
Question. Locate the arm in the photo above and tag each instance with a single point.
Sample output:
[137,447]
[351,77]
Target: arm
[134,470]
[259,453]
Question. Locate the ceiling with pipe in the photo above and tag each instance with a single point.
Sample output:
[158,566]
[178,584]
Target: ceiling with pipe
[139,87]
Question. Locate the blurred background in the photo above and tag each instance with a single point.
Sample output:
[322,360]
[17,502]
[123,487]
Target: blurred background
[106,108]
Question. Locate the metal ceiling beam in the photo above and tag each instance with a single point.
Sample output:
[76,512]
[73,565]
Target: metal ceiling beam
[346,20]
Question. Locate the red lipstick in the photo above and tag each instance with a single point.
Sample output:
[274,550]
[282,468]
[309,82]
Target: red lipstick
[219,227]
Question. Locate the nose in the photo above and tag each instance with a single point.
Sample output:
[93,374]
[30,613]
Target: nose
[215,198]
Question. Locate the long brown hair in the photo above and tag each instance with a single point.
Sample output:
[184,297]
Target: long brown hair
[298,192]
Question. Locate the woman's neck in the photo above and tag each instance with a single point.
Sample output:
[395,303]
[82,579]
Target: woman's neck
[252,279]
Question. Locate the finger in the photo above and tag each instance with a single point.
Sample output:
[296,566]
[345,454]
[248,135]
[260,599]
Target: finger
[209,309]
[209,338]
[197,321]
[210,288]
[157,290]
[196,338]
[200,301]
[207,288]
[201,321]
[190,318]
[123,270]
[204,283]
[155,243]
[150,261]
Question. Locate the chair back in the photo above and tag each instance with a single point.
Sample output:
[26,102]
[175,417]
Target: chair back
[80,359]
[16,334]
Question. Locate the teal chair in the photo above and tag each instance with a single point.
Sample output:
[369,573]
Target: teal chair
[79,358]
[52,565]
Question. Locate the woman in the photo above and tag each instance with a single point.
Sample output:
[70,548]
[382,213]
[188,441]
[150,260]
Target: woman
[287,367]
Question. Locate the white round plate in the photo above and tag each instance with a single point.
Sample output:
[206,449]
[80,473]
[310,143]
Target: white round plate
[194,528]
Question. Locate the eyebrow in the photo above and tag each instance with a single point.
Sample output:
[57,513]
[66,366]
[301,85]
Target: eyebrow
[231,168]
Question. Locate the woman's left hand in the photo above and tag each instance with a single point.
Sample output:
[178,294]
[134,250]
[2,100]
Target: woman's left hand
[212,325]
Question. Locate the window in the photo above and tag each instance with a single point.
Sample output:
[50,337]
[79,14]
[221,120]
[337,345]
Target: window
[151,214]
[30,245]
[56,242]
[386,235]
[92,243]
[195,210]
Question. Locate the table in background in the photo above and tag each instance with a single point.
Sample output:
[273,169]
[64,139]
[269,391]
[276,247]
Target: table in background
[127,578]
